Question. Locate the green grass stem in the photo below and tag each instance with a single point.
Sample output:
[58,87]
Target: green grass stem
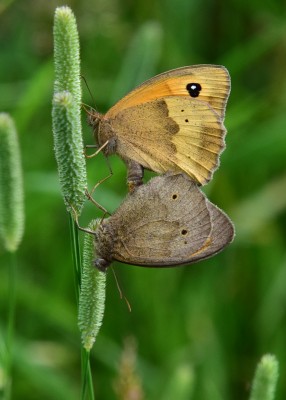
[265,379]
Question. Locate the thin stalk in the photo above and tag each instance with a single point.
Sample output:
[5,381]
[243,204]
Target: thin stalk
[87,385]
[11,230]
[75,247]
[12,279]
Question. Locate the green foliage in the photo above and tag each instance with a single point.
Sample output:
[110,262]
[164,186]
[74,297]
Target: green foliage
[214,319]
[66,110]
[66,50]
[92,293]
[69,150]
[265,380]
[11,186]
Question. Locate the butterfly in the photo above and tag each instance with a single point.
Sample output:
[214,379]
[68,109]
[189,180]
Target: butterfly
[171,122]
[163,223]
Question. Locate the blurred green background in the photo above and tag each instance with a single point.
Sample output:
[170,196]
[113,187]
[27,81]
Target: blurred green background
[194,332]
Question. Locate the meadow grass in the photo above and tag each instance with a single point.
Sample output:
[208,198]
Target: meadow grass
[200,330]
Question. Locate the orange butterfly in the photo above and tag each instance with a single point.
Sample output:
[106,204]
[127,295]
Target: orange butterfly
[172,122]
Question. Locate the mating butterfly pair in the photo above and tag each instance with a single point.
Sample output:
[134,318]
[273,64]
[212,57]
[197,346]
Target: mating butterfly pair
[171,124]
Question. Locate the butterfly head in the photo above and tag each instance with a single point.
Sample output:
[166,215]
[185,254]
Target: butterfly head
[103,245]
[101,264]
[93,119]
[102,132]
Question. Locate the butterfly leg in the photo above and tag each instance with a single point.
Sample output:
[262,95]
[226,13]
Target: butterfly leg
[89,194]
[90,198]
[135,174]
[75,218]
[99,149]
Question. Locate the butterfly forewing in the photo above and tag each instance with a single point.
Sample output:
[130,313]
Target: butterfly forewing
[213,79]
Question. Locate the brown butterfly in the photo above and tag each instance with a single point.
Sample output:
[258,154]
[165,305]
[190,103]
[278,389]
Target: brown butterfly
[172,122]
[165,222]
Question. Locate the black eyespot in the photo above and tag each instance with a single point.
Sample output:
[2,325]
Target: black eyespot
[186,120]
[182,110]
[174,196]
[184,232]
[194,89]
[185,242]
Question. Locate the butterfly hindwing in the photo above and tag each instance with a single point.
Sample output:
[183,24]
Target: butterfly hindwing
[176,134]
[222,234]
[162,224]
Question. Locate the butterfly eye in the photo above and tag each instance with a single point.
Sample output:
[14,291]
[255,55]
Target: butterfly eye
[184,232]
[194,89]
[174,196]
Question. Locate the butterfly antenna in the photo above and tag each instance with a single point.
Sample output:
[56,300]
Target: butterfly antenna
[120,291]
[86,108]
[89,91]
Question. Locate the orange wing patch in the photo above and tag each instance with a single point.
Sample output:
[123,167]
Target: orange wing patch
[213,80]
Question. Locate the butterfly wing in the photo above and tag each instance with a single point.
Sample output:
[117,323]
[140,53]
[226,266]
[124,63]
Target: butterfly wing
[162,223]
[214,81]
[175,133]
[222,234]
[173,121]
